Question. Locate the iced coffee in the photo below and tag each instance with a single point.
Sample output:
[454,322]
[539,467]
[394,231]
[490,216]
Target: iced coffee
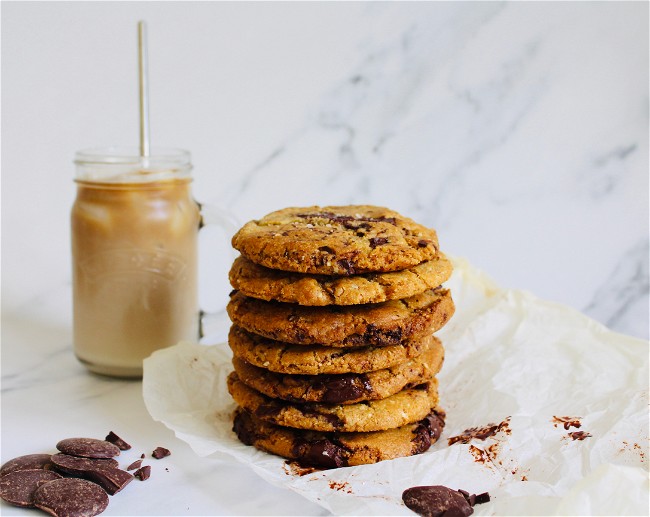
[134,252]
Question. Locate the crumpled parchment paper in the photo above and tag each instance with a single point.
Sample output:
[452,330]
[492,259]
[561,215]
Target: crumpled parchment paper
[511,359]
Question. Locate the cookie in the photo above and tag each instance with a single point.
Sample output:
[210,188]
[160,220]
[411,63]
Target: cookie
[378,324]
[336,240]
[405,407]
[316,359]
[307,289]
[346,388]
[331,450]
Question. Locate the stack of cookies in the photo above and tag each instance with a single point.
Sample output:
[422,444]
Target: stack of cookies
[334,311]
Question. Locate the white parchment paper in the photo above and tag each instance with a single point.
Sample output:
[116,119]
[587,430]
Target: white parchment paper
[510,357]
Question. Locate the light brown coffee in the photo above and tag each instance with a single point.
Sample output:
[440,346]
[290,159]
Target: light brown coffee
[134,253]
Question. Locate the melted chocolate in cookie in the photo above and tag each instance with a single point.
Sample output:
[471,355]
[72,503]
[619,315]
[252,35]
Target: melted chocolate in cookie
[344,387]
[322,453]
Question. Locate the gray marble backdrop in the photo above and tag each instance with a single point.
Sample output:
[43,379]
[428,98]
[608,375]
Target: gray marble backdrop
[518,130]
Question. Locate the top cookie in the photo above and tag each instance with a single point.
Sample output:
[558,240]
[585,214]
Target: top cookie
[336,240]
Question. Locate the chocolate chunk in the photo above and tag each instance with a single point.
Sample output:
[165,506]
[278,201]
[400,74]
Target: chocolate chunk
[269,410]
[377,241]
[71,497]
[160,452]
[143,473]
[381,337]
[88,448]
[482,498]
[116,440]
[104,472]
[422,243]
[436,501]
[18,487]
[135,465]
[348,265]
[27,462]
[347,219]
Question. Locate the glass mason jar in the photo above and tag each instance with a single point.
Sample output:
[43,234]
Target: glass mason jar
[134,254]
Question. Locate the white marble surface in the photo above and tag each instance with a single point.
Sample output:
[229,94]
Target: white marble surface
[518,130]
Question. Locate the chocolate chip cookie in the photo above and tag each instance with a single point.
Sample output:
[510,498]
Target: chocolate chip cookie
[336,240]
[345,388]
[405,407]
[331,450]
[377,324]
[307,289]
[316,359]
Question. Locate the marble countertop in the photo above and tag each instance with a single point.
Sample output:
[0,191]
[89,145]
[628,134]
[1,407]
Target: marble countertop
[518,130]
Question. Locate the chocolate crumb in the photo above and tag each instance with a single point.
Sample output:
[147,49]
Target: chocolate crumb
[116,440]
[142,455]
[160,452]
[567,421]
[579,435]
[143,473]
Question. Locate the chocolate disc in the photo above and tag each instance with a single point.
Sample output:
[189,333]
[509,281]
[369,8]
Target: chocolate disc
[88,448]
[27,462]
[18,487]
[71,497]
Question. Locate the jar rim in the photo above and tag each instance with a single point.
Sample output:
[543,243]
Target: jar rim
[123,155]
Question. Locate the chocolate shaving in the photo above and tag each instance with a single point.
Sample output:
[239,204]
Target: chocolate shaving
[135,465]
[481,433]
